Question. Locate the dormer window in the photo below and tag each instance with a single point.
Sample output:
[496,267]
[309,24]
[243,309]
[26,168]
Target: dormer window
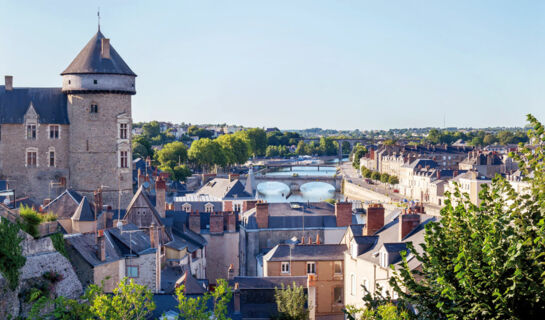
[186,207]
[209,207]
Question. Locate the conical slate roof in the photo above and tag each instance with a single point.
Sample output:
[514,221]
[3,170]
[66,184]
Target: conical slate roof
[89,60]
[84,212]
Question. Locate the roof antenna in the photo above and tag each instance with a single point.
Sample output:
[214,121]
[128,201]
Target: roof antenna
[98,16]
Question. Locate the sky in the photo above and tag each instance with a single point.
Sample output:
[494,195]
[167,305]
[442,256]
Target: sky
[297,64]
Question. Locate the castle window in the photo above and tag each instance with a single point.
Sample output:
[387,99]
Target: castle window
[54,132]
[51,157]
[32,157]
[124,159]
[123,130]
[94,108]
[31,132]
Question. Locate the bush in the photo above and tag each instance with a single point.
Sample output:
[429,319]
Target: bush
[58,243]
[31,220]
[11,253]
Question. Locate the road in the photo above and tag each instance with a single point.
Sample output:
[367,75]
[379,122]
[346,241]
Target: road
[351,175]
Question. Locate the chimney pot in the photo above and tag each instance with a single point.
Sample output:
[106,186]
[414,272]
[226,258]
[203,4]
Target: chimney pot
[9,83]
[375,219]
[105,48]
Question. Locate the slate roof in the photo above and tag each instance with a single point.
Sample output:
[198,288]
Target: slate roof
[281,252]
[49,103]
[421,162]
[84,212]
[191,285]
[224,189]
[118,244]
[256,283]
[90,60]
[142,193]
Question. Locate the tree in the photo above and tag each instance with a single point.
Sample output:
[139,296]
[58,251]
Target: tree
[256,139]
[141,147]
[234,148]
[384,178]
[489,139]
[301,150]
[197,308]
[195,131]
[172,154]
[11,252]
[206,153]
[151,129]
[129,301]
[367,173]
[359,152]
[327,147]
[485,261]
[375,176]
[347,148]
[393,180]
[291,302]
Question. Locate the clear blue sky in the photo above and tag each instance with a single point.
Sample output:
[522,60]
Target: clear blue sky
[299,64]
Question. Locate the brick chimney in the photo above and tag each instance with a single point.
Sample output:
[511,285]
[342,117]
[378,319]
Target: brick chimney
[227,205]
[141,178]
[231,272]
[98,201]
[248,204]
[153,235]
[9,83]
[233,176]
[343,214]
[236,298]
[375,219]
[105,52]
[262,215]
[231,222]
[407,223]
[101,246]
[318,239]
[160,196]
[195,222]
[216,223]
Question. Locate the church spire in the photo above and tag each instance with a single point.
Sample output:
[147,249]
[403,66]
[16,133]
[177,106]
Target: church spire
[98,16]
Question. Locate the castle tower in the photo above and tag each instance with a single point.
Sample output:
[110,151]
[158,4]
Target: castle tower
[99,86]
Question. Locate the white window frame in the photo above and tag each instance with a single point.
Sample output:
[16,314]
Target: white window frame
[354,249]
[285,267]
[209,208]
[49,151]
[126,130]
[119,154]
[384,259]
[311,267]
[29,125]
[49,127]
[352,284]
[186,207]
[35,150]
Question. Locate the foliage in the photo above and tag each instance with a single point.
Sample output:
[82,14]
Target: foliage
[141,147]
[291,301]
[277,151]
[195,131]
[256,139]
[206,153]
[485,261]
[59,308]
[11,252]
[384,178]
[279,138]
[129,301]
[170,160]
[31,219]
[234,147]
[387,311]
[359,152]
[375,175]
[393,180]
[58,242]
[197,308]
[327,147]
[475,138]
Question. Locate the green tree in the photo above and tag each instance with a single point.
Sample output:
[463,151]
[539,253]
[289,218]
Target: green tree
[272,151]
[11,252]
[485,261]
[141,147]
[393,180]
[375,176]
[256,139]
[151,129]
[327,147]
[367,173]
[291,301]
[301,150]
[234,148]
[207,153]
[384,178]
[197,308]
[347,148]
[172,154]
[359,152]
[489,139]
[129,301]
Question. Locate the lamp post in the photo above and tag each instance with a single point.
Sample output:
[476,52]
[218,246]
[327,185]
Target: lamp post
[292,242]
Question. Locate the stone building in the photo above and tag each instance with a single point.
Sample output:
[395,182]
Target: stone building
[76,136]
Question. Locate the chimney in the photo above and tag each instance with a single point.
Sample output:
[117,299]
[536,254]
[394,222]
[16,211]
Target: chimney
[231,222]
[9,83]
[236,299]
[343,214]
[248,204]
[98,201]
[153,236]
[105,53]
[141,178]
[407,223]
[195,222]
[233,176]
[262,215]
[46,202]
[309,240]
[216,223]
[101,250]
[230,272]
[318,239]
[160,196]
[375,219]
[303,240]
[438,174]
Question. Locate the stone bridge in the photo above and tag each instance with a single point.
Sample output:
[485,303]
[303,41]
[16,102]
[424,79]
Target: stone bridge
[295,182]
